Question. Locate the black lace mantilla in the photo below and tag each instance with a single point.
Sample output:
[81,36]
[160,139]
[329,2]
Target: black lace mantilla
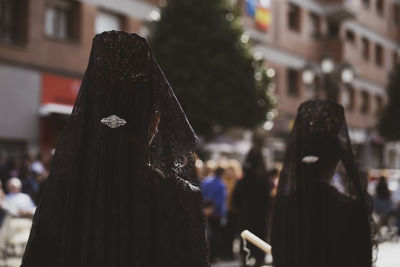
[111,199]
[322,214]
[172,149]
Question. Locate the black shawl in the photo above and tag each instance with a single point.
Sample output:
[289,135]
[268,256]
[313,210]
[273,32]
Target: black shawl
[111,200]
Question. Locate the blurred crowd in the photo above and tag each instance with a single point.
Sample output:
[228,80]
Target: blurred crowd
[386,204]
[241,197]
[21,181]
[237,196]
[21,186]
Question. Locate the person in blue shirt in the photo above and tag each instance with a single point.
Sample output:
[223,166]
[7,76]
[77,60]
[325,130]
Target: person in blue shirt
[214,192]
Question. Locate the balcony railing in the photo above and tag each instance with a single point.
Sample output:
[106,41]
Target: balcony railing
[338,9]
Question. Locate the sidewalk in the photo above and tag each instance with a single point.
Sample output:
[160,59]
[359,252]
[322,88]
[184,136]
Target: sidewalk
[388,256]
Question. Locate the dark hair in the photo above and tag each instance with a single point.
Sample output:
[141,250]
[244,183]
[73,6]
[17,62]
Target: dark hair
[219,171]
[273,172]
[382,189]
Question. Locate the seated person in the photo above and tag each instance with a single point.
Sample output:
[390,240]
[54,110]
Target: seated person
[17,203]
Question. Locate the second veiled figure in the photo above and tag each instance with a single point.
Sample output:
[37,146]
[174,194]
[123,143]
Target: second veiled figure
[322,215]
[116,197]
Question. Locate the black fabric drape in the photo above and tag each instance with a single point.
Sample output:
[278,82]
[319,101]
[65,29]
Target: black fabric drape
[104,203]
[322,215]
[251,199]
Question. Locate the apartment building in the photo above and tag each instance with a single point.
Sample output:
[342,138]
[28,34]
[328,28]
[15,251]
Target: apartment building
[45,44]
[362,34]
[44,50]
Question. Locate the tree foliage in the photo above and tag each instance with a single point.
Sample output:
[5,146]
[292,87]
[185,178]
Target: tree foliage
[201,47]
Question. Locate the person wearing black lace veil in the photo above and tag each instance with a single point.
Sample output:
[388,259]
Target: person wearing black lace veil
[322,216]
[111,198]
[251,199]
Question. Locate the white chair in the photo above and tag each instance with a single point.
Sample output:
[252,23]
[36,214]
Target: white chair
[14,235]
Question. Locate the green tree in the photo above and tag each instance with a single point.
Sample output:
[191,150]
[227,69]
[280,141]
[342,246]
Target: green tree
[205,54]
[389,124]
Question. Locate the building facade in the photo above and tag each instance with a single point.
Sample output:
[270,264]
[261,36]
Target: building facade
[363,34]
[44,50]
[45,45]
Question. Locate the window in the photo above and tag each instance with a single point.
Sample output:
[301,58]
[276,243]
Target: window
[364,108]
[333,29]
[107,21]
[380,6]
[315,26]
[365,49]
[378,55]
[293,82]
[13,21]
[395,59]
[13,148]
[366,3]
[396,14]
[350,36]
[348,98]
[379,105]
[294,17]
[60,21]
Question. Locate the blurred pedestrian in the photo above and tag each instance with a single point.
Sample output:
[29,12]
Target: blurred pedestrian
[251,200]
[2,210]
[383,204]
[3,170]
[317,224]
[396,203]
[12,169]
[214,191]
[273,178]
[196,175]
[233,172]
[41,180]
[17,203]
[27,176]
[209,169]
[37,165]
[117,194]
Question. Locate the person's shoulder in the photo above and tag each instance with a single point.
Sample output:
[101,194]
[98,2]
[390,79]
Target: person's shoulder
[190,195]
[23,196]
[187,185]
[7,197]
[157,177]
[172,180]
[221,183]
[155,172]
[207,180]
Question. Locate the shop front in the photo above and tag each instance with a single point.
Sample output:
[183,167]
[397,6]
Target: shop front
[19,102]
[58,97]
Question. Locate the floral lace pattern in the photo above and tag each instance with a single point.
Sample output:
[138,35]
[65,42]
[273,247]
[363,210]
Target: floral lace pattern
[104,204]
[322,215]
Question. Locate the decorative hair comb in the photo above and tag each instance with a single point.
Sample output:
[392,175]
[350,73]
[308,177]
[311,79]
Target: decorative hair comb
[113,121]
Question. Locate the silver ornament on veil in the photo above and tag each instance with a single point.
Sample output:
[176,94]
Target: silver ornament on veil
[310,159]
[113,121]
